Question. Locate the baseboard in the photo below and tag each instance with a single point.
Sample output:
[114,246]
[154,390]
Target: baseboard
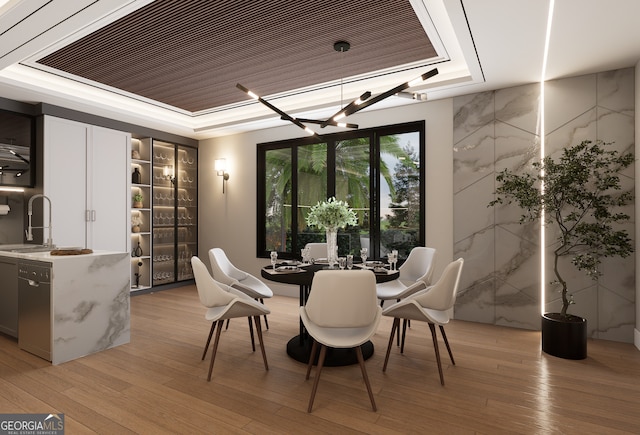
[636,338]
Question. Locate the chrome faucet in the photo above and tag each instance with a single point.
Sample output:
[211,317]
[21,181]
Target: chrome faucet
[31,227]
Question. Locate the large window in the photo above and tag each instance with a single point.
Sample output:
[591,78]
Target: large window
[378,171]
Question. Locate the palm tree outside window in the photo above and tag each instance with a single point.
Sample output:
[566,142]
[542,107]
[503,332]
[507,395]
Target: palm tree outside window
[379,172]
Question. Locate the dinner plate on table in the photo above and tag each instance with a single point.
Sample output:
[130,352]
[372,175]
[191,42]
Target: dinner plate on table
[375,264]
[288,263]
[287,268]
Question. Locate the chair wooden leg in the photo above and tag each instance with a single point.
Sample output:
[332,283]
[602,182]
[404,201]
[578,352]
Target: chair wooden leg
[396,323]
[259,331]
[444,336]
[366,378]
[227,327]
[266,322]
[404,334]
[323,353]
[253,343]
[206,346]
[312,356]
[215,349]
[435,347]
[398,338]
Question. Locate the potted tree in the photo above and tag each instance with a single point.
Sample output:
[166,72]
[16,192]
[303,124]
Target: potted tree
[580,196]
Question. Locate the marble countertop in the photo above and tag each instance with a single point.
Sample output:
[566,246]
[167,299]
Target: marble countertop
[8,251]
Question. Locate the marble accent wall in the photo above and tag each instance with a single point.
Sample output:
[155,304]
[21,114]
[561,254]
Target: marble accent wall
[501,129]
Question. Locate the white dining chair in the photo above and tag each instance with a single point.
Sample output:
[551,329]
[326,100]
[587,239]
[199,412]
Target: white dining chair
[342,312]
[432,305]
[317,250]
[225,272]
[415,275]
[224,304]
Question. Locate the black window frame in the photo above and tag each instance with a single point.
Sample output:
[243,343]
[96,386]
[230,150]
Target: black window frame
[374,134]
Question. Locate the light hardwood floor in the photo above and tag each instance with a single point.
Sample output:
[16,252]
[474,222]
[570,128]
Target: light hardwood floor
[501,382]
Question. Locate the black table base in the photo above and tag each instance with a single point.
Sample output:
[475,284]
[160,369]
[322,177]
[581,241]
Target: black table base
[300,351]
[299,347]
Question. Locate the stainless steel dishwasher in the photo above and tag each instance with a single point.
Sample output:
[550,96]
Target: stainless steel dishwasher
[34,308]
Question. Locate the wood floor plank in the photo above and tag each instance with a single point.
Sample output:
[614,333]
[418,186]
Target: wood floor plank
[501,382]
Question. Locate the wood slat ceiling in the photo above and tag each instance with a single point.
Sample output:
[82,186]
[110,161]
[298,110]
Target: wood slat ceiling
[190,54]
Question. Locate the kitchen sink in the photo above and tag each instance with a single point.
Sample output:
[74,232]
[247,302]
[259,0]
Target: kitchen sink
[34,249]
[25,249]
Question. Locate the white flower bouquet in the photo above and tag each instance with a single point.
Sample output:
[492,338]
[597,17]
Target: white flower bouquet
[331,214]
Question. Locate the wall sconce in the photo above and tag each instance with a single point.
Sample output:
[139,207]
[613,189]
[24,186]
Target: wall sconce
[221,166]
[169,174]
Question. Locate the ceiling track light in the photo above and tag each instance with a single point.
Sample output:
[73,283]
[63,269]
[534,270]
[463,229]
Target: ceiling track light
[353,108]
[412,96]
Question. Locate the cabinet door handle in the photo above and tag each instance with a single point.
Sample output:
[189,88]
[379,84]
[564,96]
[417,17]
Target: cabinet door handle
[93,215]
[87,215]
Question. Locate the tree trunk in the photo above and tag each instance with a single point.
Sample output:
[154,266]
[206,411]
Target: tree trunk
[565,300]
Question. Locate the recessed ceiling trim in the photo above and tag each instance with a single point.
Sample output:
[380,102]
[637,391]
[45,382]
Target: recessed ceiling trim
[33,24]
[326,96]
[16,23]
[390,76]
[61,91]
[11,16]
[456,35]
[195,62]
[81,81]
[124,8]
[430,29]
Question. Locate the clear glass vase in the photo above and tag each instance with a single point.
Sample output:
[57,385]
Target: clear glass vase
[332,247]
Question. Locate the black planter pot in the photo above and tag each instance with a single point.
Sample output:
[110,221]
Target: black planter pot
[564,336]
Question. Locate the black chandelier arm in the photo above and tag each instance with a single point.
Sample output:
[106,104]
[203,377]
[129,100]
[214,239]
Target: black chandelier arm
[282,114]
[351,110]
[355,103]
[19,156]
[327,122]
[363,101]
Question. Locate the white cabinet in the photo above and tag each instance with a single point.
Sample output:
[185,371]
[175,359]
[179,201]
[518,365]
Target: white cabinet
[86,176]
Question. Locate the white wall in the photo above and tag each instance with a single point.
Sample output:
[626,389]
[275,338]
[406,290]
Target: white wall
[229,221]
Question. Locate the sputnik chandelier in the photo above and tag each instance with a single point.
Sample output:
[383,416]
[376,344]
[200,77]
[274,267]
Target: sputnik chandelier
[356,105]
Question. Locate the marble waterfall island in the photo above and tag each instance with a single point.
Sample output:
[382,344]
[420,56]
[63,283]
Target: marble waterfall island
[89,299]
[91,309]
